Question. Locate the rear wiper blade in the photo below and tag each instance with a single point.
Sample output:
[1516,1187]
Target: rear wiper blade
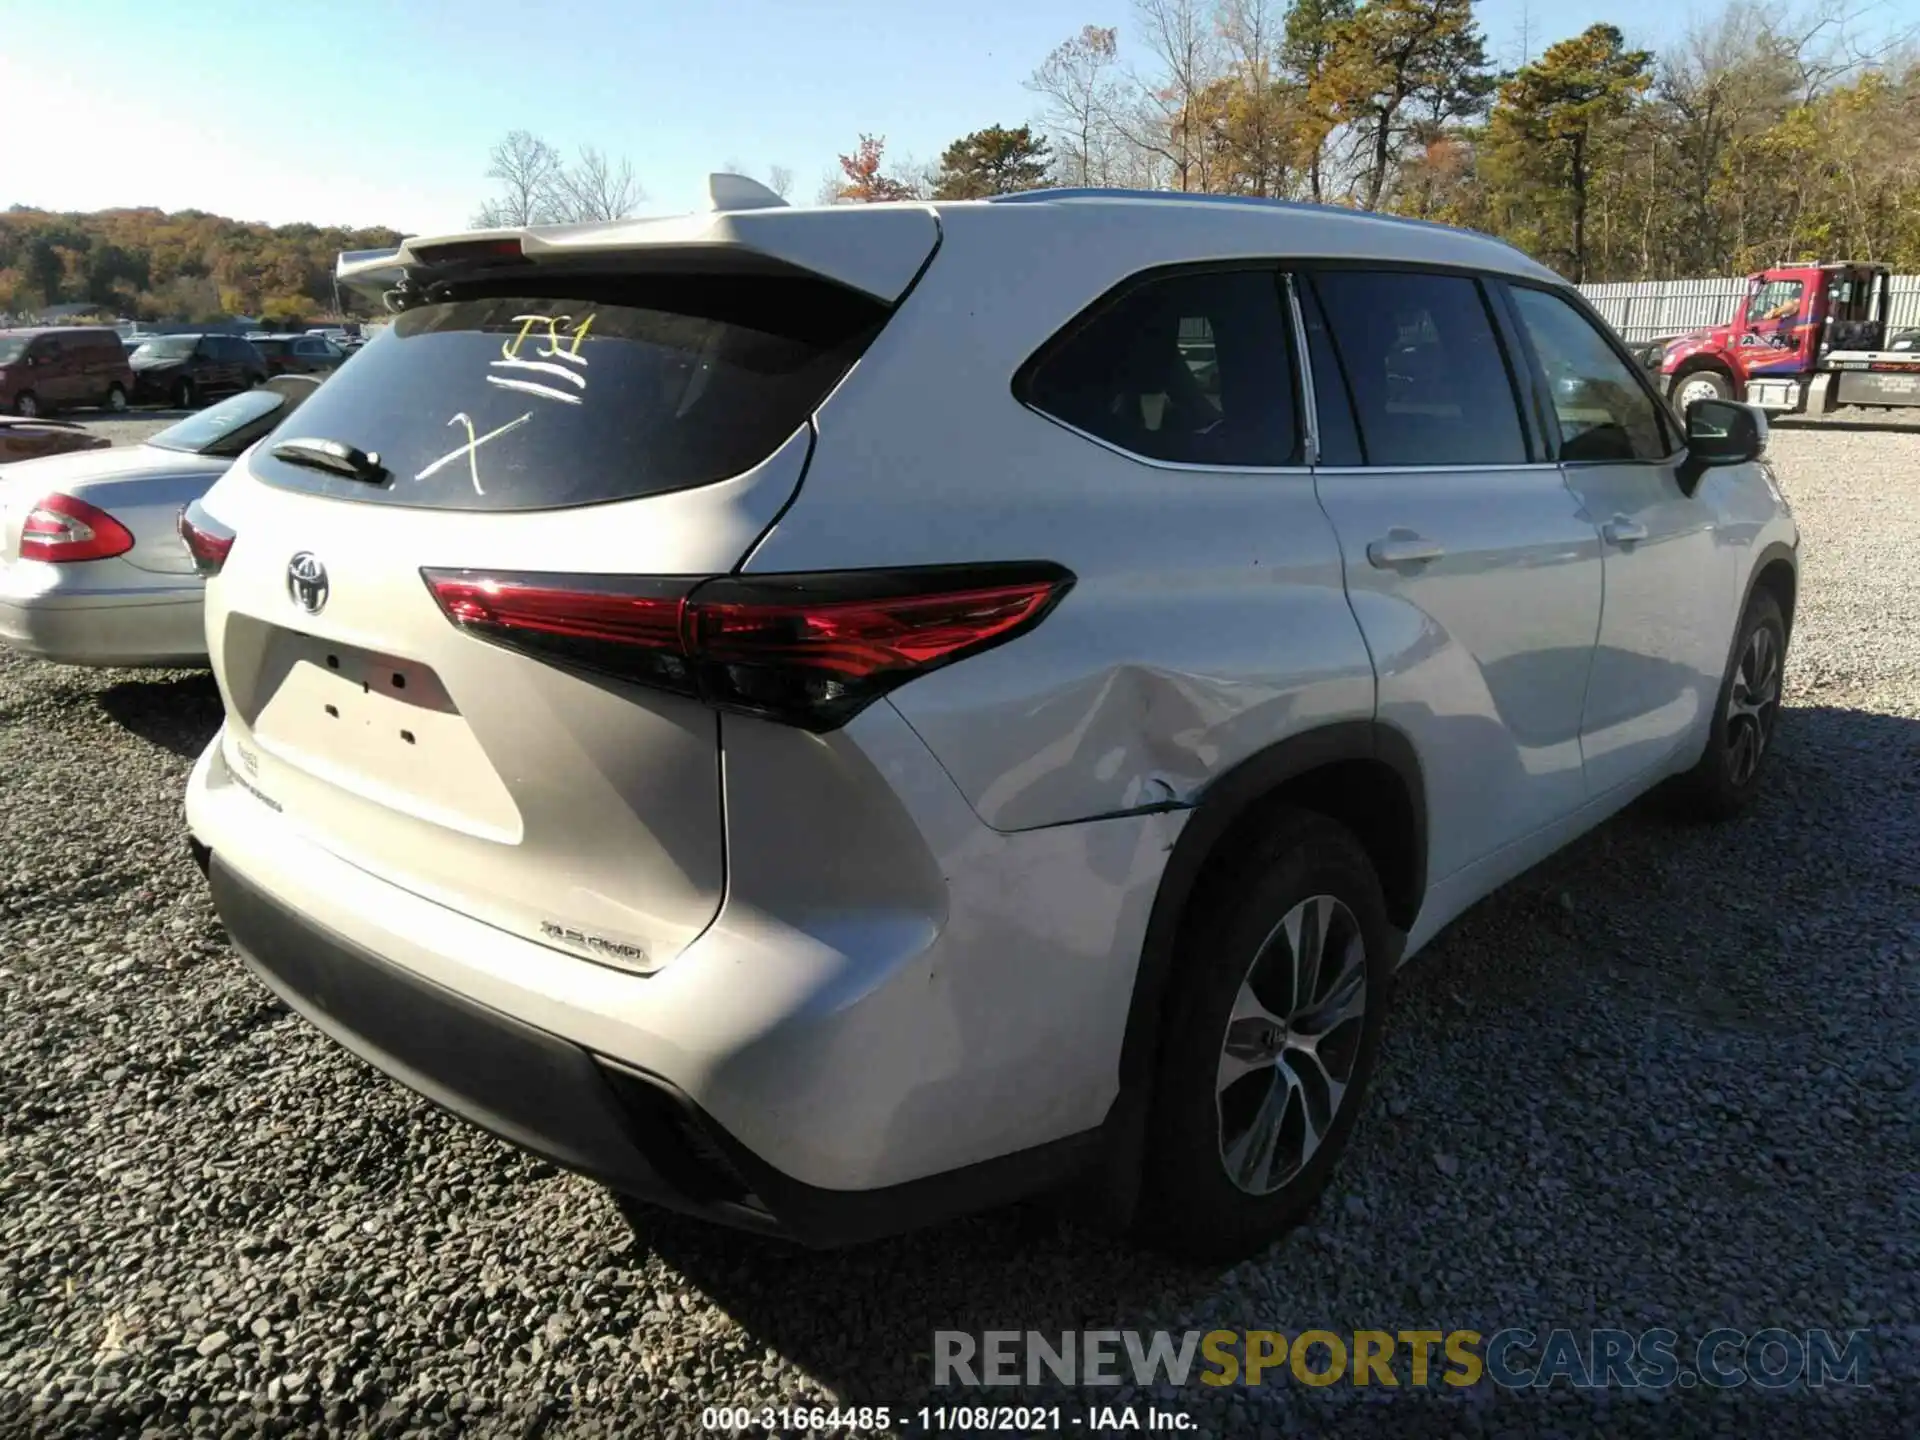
[333,456]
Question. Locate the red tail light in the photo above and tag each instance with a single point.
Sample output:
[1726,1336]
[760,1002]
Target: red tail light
[61,528]
[809,650]
[207,540]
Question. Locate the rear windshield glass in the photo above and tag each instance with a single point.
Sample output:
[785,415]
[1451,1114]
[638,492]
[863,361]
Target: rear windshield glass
[207,428]
[501,396]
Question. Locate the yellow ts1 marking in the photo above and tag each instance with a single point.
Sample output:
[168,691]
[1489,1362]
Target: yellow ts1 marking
[558,344]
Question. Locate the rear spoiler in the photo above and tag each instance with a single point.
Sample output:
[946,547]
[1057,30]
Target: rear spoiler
[370,272]
[876,249]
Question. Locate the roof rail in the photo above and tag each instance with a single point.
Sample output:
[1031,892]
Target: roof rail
[1195,197]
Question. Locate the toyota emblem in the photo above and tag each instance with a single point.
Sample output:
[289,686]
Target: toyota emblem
[307,582]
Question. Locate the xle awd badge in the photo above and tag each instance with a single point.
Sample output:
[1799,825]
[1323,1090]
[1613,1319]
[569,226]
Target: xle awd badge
[307,582]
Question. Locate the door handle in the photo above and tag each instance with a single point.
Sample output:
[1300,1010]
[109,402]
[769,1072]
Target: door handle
[1403,547]
[1622,531]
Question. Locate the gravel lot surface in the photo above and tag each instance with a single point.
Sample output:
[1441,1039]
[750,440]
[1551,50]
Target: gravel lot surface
[1669,1079]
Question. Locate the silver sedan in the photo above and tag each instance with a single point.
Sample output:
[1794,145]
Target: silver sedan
[92,567]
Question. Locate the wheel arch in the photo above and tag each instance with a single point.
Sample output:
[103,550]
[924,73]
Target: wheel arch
[1362,773]
[1775,571]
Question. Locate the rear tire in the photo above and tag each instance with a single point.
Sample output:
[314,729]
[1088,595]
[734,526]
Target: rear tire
[183,395]
[116,399]
[1746,715]
[1260,1077]
[27,405]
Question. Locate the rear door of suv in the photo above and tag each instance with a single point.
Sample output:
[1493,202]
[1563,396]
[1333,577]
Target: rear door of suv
[452,657]
[1472,569]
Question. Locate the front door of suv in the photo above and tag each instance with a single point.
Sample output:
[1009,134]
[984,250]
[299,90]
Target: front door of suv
[1670,593]
[1471,568]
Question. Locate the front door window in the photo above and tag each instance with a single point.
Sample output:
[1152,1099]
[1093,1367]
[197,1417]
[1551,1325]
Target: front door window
[1773,315]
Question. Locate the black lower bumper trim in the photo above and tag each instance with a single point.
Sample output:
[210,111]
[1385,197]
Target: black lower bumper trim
[628,1130]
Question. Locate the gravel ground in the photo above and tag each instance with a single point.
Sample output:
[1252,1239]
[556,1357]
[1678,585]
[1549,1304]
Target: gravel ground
[1669,1079]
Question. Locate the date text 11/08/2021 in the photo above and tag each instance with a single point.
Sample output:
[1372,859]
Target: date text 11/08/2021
[934,1419]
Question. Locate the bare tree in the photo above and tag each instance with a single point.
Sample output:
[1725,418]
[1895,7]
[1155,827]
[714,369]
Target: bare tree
[1077,80]
[528,171]
[779,177]
[1182,38]
[598,188]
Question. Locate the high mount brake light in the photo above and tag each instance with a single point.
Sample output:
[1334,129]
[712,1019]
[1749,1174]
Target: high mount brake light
[63,529]
[808,650]
[466,252]
[207,540]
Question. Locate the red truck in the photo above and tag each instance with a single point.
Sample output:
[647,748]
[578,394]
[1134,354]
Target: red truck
[1809,339]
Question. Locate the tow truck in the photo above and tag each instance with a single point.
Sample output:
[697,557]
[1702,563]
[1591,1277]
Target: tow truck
[1808,340]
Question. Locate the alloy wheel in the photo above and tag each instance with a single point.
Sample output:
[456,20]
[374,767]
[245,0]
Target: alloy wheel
[1753,704]
[1291,1043]
[27,407]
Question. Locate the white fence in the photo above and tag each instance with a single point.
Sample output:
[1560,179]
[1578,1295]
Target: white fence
[1643,310]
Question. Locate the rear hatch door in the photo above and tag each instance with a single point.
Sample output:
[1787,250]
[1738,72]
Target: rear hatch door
[560,422]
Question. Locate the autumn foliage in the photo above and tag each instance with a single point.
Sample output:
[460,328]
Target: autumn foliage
[866,182]
[147,264]
[1770,131]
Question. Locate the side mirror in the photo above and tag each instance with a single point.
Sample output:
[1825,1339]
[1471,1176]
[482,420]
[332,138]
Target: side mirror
[1721,432]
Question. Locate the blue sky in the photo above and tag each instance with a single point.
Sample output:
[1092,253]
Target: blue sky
[382,111]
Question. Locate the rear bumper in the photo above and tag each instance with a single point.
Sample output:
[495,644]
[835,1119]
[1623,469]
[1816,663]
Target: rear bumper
[862,1050]
[631,1131]
[148,627]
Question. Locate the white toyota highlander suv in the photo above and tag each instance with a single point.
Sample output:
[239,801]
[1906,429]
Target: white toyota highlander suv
[829,718]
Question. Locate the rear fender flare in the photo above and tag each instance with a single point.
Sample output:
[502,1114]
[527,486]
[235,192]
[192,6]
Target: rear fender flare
[1220,805]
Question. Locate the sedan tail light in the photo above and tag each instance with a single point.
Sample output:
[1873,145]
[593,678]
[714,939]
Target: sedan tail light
[810,650]
[62,528]
[206,539]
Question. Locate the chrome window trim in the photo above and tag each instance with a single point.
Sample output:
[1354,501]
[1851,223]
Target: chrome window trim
[1303,363]
[1669,461]
[1178,465]
[1545,466]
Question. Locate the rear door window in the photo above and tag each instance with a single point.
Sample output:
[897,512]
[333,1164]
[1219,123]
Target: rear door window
[536,393]
[1191,368]
[1429,382]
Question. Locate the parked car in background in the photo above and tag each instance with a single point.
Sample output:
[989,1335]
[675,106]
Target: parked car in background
[62,367]
[92,568]
[188,370]
[1063,651]
[298,354]
[32,439]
